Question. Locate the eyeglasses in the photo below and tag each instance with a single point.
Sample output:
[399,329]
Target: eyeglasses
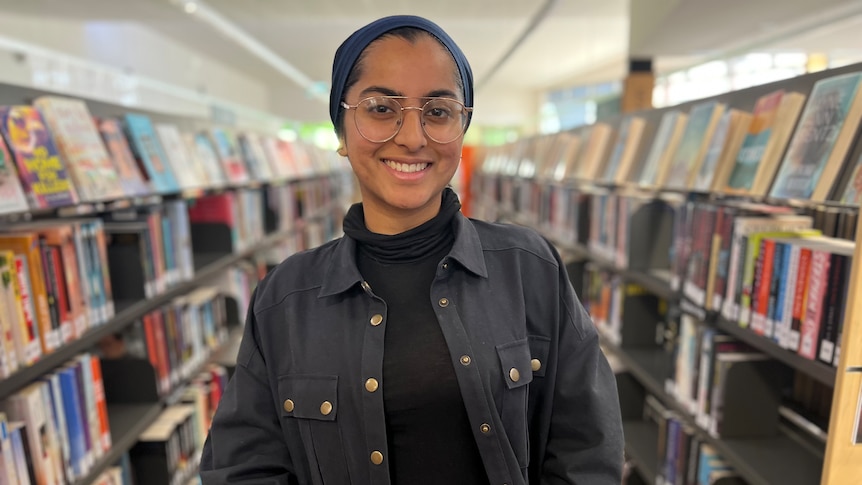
[379,118]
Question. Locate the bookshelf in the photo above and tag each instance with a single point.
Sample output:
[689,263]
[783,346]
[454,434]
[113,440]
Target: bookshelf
[166,274]
[786,408]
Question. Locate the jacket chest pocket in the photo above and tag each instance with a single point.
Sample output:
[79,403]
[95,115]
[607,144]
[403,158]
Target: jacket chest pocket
[515,358]
[312,401]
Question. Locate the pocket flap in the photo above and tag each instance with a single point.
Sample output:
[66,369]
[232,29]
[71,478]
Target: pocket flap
[515,363]
[539,354]
[309,396]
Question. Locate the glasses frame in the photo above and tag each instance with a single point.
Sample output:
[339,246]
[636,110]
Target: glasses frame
[421,109]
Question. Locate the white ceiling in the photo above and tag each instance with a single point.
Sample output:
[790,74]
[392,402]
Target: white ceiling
[579,41]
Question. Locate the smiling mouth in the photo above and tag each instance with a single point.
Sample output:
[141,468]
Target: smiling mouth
[406,167]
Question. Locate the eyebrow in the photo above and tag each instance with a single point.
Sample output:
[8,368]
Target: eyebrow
[372,90]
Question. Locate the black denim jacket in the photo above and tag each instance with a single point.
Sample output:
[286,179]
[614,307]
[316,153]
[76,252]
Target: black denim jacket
[539,393]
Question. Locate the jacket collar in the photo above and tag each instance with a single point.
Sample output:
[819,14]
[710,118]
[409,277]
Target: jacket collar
[342,272]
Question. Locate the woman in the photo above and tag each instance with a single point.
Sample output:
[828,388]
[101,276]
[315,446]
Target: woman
[422,347]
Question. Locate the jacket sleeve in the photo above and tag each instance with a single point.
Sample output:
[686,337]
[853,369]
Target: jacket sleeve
[585,437]
[245,444]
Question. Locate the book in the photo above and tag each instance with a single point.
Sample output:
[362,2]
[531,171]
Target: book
[81,147]
[189,174]
[133,182]
[822,140]
[625,149]
[149,153]
[852,191]
[43,174]
[773,119]
[721,153]
[201,147]
[12,196]
[689,155]
[231,163]
[28,406]
[663,147]
[251,149]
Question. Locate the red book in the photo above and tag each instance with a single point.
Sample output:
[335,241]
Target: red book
[813,313]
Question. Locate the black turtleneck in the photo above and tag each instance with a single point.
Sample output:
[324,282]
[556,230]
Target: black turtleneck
[427,429]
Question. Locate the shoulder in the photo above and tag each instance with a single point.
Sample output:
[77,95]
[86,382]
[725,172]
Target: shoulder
[301,272]
[512,238]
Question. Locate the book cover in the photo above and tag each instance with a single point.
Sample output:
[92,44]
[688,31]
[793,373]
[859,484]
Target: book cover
[133,182]
[202,148]
[25,330]
[723,148]
[80,147]
[851,193]
[12,196]
[755,144]
[254,155]
[820,143]
[231,163]
[686,161]
[149,153]
[43,174]
[663,146]
[188,173]
[281,156]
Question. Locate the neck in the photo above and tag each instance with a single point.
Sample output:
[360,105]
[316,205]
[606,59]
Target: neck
[390,221]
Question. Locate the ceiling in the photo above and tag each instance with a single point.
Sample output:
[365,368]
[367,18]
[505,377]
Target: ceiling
[574,42]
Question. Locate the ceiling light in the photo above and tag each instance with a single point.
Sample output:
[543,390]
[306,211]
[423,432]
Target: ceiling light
[190,7]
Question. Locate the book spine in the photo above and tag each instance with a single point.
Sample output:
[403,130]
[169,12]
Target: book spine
[799,295]
[829,327]
[776,282]
[817,282]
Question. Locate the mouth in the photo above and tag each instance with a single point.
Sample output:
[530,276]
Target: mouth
[407,167]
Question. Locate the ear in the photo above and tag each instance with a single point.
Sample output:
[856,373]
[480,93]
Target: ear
[342,150]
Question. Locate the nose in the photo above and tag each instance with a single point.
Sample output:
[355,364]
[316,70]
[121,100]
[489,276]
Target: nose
[411,134]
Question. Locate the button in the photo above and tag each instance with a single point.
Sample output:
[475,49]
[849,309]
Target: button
[288,405]
[444,302]
[376,457]
[465,359]
[376,319]
[326,408]
[536,364]
[371,385]
[445,265]
[514,374]
[485,428]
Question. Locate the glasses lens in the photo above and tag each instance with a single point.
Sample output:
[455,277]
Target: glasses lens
[443,119]
[378,118]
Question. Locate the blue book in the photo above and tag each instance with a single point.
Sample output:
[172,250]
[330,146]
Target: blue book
[58,414]
[76,427]
[146,147]
[20,453]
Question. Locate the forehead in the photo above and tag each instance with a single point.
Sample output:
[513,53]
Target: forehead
[410,68]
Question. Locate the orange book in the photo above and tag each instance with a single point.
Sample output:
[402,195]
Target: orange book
[62,237]
[28,253]
[101,403]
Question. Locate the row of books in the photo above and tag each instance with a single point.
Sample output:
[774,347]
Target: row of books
[682,457]
[63,277]
[792,146]
[168,451]
[175,339]
[56,428]
[54,153]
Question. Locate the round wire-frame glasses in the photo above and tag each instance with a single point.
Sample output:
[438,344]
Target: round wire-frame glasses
[379,118]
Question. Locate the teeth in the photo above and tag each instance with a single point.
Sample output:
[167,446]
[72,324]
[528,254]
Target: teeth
[406,167]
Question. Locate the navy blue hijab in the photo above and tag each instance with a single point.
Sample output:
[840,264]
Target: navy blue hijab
[350,50]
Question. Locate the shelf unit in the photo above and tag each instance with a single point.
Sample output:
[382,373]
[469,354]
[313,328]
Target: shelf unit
[760,461]
[127,421]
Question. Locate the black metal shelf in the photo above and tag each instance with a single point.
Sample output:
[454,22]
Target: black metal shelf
[818,370]
[127,422]
[128,312]
[641,440]
[760,461]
